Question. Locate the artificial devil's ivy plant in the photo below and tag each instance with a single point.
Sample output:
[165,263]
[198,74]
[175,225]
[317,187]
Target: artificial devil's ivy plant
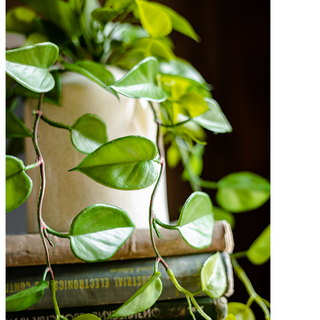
[83,37]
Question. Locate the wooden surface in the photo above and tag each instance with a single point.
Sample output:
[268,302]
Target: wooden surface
[26,250]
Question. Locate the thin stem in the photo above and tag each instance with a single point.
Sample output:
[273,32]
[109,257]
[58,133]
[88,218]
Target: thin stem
[164,225]
[207,184]
[58,234]
[41,225]
[32,166]
[197,292]
[54,300]
[152,215]
[237,255]
[54,123]
[252,293]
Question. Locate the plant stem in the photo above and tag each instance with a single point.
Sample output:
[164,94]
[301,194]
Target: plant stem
[41,225]
[152,215]
[188,294]
[58,234]
[54,300]
[54,123]
[32,165]
[253,295]
[237,255]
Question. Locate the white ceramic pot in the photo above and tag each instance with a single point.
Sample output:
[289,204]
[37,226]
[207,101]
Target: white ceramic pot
[67,193]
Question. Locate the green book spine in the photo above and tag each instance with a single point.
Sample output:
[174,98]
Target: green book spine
[173,309]
[110,282]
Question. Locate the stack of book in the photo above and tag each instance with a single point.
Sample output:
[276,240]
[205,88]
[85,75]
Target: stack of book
[100,288]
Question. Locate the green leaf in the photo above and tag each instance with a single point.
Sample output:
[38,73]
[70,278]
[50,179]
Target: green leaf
[26,298]
[173,155]
[88,133]
[155,20]
[214,119]
[29,65]
[220,214]
[191,131]
[143,299]
[139,82]
[98,231]
[53,96]
[196,220]
[104,15]
[20,19]
[213,276]
[181,68]
[195,162]
[179,23]
[98,70]
[154,47]
[15,128]
[93,72]
[240,311]
[18,183]
[127,163]
[242,191]
[87,317]
[192,104]
[176,86]
[58,12]
[259,251]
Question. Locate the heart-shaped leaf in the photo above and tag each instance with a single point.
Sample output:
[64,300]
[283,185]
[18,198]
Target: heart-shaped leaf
[127,163]
[155,20]
[88,133]
[214,276]
[143,299]
[240,311]
[242,191]
[93,72]
[26,298]
[179,23]
[15,128]
[259,251]
[139,82]
[98,231]
[214,119]
[29,65]
[18,183]
[196,220]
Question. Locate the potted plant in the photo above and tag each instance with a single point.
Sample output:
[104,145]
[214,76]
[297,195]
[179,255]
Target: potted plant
[86,46]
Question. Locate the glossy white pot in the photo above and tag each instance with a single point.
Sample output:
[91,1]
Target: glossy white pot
[67,193]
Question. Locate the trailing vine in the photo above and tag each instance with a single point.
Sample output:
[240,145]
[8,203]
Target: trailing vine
[95,36]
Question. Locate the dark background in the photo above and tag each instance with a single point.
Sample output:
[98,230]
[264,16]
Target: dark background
[234,57]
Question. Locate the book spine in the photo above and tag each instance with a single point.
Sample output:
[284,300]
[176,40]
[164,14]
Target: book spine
[174,309]
[27,249]
[108,282]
